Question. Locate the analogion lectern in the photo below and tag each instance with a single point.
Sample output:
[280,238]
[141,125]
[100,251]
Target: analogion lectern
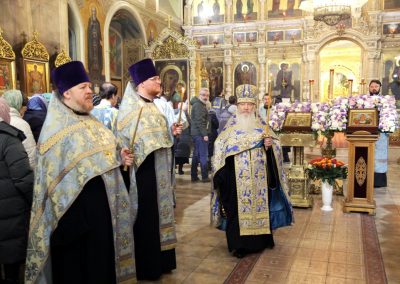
[362,133]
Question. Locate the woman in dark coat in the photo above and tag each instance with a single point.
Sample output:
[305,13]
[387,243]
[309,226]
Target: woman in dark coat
[16,189]
[36,114]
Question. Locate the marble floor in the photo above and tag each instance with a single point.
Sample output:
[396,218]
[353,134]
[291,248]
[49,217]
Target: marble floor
[318,248]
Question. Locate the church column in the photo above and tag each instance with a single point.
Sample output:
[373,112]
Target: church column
[188,15]
[261,61]
[262,10]
[311,73]
[228,11]
[373,65]
[228,67]
[192,75]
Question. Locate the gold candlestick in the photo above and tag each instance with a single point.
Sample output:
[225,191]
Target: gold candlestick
[350,87]
[331,81]
[362,84]
[311,86]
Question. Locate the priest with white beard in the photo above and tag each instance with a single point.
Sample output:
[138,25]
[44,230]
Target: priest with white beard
[249,185]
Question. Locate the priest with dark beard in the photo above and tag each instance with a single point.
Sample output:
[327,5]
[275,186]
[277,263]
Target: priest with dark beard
[249,182]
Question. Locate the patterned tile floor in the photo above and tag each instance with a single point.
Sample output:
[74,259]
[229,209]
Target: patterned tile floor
[319,248]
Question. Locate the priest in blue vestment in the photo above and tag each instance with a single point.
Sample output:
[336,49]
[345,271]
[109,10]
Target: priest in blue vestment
[249,185]
[146,130]
[81,213]
[381,146]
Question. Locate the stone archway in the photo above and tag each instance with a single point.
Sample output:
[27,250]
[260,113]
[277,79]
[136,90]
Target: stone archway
[124,37]
[124,22]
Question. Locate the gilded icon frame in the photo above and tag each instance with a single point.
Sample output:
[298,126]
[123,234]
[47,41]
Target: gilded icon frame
[7,75]
[363,119]
[297,122]
[33,77]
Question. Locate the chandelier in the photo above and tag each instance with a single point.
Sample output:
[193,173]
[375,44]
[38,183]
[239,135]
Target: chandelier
[332,12]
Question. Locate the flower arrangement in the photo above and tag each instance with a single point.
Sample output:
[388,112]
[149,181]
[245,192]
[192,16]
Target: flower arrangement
[333,117]
[326,169]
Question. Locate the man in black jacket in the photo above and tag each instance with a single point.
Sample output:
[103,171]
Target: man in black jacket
[199,132]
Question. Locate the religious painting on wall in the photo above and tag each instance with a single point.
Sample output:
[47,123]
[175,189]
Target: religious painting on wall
[174,79]
[216,39]
[94,17]
[215,72]
[391,29]
[283,8]
[293,35]
[285,77]
[36,79]
[201,40]
[245,73]
[6,76]
[208,11]
[151,32]
[245,10]
[275,36]
[239,37]
[251,37]
[391,76]
[115,40]
[391,4]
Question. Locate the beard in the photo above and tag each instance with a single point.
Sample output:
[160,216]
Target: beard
[374,92]
[246,121]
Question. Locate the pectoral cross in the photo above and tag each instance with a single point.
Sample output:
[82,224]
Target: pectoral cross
[168,19]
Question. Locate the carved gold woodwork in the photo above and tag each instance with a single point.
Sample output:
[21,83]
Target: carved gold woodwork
[360,190]
[361,171]
[298,180]
[6,51]
[35,50]
[62,58]
[170,49]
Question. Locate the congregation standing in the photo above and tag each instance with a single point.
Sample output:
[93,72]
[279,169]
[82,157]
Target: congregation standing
[94,185]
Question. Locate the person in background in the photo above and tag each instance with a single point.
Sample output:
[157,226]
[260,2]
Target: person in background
[213,125]
[142,126]
[249,180]
[35,114]
[81,218]
[14,99]
[24,106]
[16,189]
[183,143]
[227,112]
[199,132]
[262,111]
[218,104]
[105,111]
[381,146]
[267,100]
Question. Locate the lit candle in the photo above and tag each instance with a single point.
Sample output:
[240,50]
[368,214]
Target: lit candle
[331,79]
[270,86]
[350,87]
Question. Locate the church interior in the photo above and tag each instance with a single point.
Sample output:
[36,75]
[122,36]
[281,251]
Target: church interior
[303,50]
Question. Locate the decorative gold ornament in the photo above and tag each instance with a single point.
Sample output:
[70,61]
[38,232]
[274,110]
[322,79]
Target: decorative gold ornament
[6,50]
[35,50]
[170,49]
[361,171]
[62,58]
